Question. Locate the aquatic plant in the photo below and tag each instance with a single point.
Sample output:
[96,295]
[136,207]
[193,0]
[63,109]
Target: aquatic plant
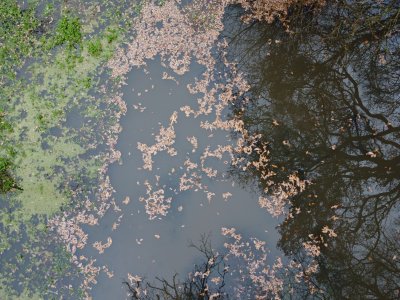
[95,47]
[37,90]
[18,31]
[7,182]
[7,153]
[69,31]
[111,35]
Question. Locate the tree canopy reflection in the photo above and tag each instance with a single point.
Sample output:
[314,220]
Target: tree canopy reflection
[326,102]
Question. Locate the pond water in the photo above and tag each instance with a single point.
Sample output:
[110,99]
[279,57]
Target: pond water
[135,248]
[328,109]
[172,121]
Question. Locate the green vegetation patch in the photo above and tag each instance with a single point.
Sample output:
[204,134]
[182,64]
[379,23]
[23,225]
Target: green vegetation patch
[95,48]
[7,153]
[69,31]
[48,71]
[19,29]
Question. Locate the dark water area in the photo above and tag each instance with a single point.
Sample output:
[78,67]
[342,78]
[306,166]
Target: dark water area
[328,108]
[75,119]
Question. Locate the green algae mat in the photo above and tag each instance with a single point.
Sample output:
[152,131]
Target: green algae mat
[54,114]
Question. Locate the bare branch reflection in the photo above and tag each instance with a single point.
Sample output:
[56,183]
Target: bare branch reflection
[325,101]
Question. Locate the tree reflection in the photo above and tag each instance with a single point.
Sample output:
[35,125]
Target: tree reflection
[325,99]
[205,282]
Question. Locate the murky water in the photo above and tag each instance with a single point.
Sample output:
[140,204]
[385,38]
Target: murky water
[135,248]
[304,119]
[329,112]
[326,113]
